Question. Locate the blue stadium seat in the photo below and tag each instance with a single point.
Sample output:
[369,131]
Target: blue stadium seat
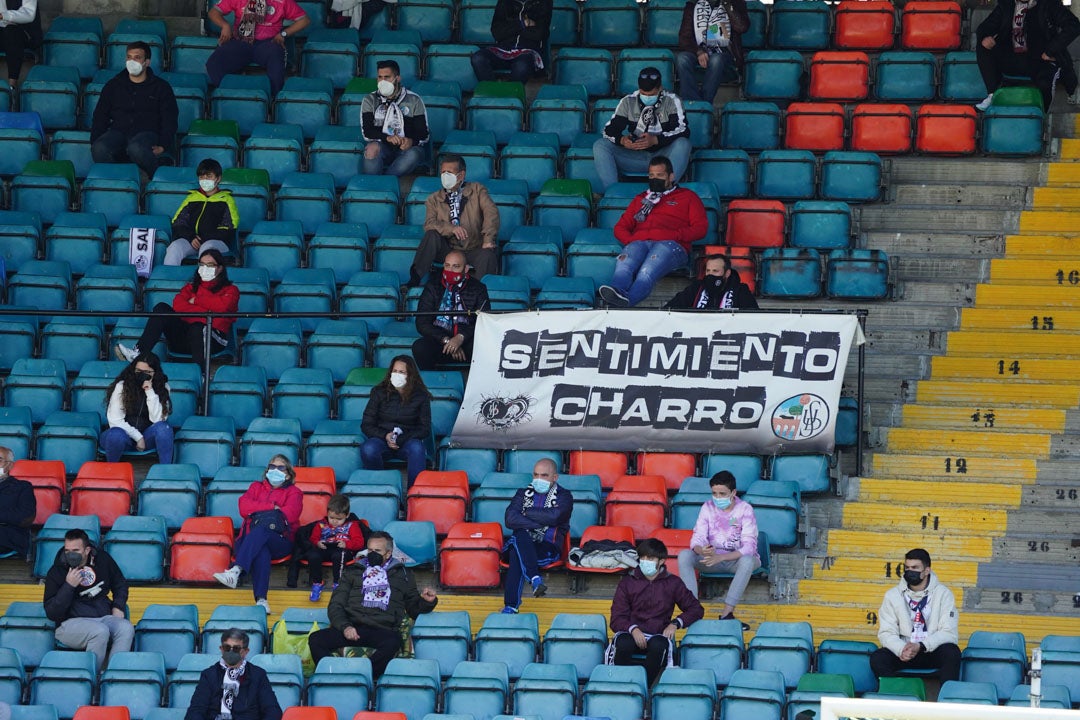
[183,680]
[416,538]
[478,689]
[341,683]
[206,442]
[266,437]
[250,188]
[50,539]
[134,680]
[753,694]
[12,676]
[189,53]
[53,93]
[681,693]
[611,23]
[530,160]
[106,288]
[451,63]
[249,618]
[306,198]
[478,149]
[777,506]
[239,392]
[848,657]
[21,140]
[402,46]
[1053,696]
[496,490]
[272,344]
[67,678]
[790,273]
[968,692]
[858,274]
[751,126]
[701,117]
[190,90]
[338,346]
[811,472]
[821,224]
[961,80]
[1013,131]
[372,200]
[475,21]
[512,639]
[286,675]
[475,462]
[170,492]
[414,207]
[566,293]
[592,254]
[341,248]
[785,174]
[631,61]
[614,691]
[217,139]
[276,245]
[745,468]
[999,658]
[850,176]
[336,151]
[25,629]
[167,189]
[277,148]
[305,101]
[511,197]
[39,384]
[171,630]
[112,189]
[774,75]
[409,686]
[304,290]
[564,116]
[535,259]
[20,235]
[715,645]
[376,496]
[395,250]
[303,394]
[44,284]
[727,170]
[546,690]
[333,444]
[905,76]
[662,21]
[73,145]
[592,67]
[225,489]
[787,647]
[372,292]
[254,286]
[445,637]
[74,42]
[576,639]
[331,54]
[566,204]
[16,430]
[44,186]
[77,239]
[799,25]
[433,19]
[242,98]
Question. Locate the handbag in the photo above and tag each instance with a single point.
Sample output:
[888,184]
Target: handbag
[273,520]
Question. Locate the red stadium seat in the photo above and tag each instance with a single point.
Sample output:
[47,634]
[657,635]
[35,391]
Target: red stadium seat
[615,533]
[839,75]
[608,465]
[673,467]
[469,556]
[755,223]
[102,712]
[202,547]
[439,496]
[49,481]
[865,25]
[742,261]
[883,128]
[675,540]
[930,25]
[639,502]
[945,129]
[814,126]
[309,712]
[103,489]
[318,486]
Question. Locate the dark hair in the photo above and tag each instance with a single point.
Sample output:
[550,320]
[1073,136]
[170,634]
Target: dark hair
[208,166]
[235,634]
[920,555]
[413,381]
[222,280]
[139,45]
[77,534]
[390,65]
[133,397]
[290,471]
[724,478]
[661,160]
[381,535]
[653,548]
[453,158]
[716,256]
[338,504]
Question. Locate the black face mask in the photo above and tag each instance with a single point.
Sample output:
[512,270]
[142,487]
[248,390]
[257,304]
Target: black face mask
[231,658]
[73,559]
[657,184]
[141,377]
[912,577]
[714,282]
[374,559]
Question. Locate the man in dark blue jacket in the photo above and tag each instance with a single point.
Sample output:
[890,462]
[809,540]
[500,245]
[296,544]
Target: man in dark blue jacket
[136,115]
[539,519]
[233,688]
[18,507]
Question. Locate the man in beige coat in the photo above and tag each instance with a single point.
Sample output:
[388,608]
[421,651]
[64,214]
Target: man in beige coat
[461,216]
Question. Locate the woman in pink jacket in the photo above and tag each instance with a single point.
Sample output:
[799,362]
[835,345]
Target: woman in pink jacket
[271,510]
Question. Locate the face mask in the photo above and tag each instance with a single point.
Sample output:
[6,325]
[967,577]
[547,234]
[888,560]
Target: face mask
[449,277]
[73,559]
[541,486]
[275,477]
[141,377]
[207,186]
[657,184]
[134,68]
[648,567]
[722,503]
[648,100]
[398,380]
[231,658]
[714,282]
[448,180]
[912,577]
[386,88]
[206,274]
[374,559]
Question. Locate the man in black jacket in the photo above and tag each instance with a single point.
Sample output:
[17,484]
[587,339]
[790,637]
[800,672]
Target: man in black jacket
[233,689]
[1029,38]
[520,29]
[77,590]
[720,289]
[373,598]
[18,507]
[447,338]
[135,118]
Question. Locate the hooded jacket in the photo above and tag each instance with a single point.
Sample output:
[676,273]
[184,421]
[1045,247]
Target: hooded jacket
[649,604]
[347,607]
[894,618]
[208,217]
[254,701]
[510,33]
[1049,28]
[741,297]
[63,602]
[133,108]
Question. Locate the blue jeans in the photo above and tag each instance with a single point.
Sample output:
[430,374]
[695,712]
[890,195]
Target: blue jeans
[642,264]
[524,557]
[375,450]
[687,65]
[254,551]
[611,159]
[394,160]
[115,442]
[116,147]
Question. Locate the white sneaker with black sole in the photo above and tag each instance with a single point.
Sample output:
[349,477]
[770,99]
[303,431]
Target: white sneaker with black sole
[229,578]
[985,104]
[125,353]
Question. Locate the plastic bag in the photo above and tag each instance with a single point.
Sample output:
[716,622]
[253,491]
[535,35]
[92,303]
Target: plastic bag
[286,643]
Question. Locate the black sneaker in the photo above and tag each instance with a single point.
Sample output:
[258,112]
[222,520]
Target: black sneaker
[613,297]
[731,616]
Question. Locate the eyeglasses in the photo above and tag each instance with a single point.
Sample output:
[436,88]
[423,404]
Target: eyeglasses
[649,76]
[277,467]
[232,648]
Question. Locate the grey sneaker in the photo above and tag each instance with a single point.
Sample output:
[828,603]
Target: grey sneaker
[229,578]
[125,353]
[613,297]
[261,602]
[985,104]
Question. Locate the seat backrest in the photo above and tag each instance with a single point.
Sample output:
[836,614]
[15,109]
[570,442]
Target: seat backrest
[650,484]
[616,533]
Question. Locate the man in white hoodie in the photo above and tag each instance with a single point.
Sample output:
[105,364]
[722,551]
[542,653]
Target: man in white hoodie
[917,624]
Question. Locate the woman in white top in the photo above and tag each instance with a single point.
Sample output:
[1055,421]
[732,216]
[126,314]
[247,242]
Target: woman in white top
[20,30]
[138,407]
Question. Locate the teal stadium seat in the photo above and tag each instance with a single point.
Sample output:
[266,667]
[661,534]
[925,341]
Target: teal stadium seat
[1013,131]
[566,293]
[559,109]
[250,188]
[790,273]
[784,647]
[286,675]
[277,148]
[37,383]
[249,618]
[433,19]
[850,176]
[713,645]
[74,42]
[189,53]
[785,174]
[336,151]
[216,139]
[811,472]
[53,93]
[409,686]
[191,90]
[513,639]
[753,695]
[611,23]
[376,292]
[631,61]
[138,544]
[337,346]
[546,690]
[682,693]
[342,683]
[44,186]
[206,442]
[333,444]
[961,80]
[305,101]
[19,333]
[182,681]
[376,496]
[574,639]
[394,252]
[751,126]
[451,63]
[73,145]
[331,54]
[999,658]
[372,200]
[858,274]
[614,691]
[968,692]
[475,462]
[592,67]
[905,76]
[244,99]
[304,394]
[821,224]
[445,637]
[341,248]
[415,538]
[21,140]
[67,679]
[267,437]
[305,290]
[529,157]
[307,198]
[403,46]
[134,680]
[77,238]
[806,697]
[26,629]
[799,25]
[171,492]
[20,235]
[496,490]
[277,245]
[476,689]
[848,657]
[777,507]
[12,676]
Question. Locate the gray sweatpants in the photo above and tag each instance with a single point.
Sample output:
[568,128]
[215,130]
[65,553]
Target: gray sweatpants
[743,568]
[98,635]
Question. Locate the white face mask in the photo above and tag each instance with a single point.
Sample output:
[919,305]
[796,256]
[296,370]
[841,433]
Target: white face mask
[386,88]
[207,186]
[134,68]
[398,380]
[449,180]
[206,274]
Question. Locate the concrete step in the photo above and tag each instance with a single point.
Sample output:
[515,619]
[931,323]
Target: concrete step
[1047,222]
[1042,246]
[1041,272]
[958,244]
[931,268]
[926,516]
[851,592]
[1030,575]
[1021,599]
[878,544]
[886,570]
[959,195]
[954,294]
[946,467]
[1055,320]
[1037,299]
[1035,547]
[984,419]
[909,218]
[884,339]
[978,394]
[908,493]
[1019,345]
[953,367]
[961,443]
[1051,495]
[965,171]
[1054,198]
[931,319]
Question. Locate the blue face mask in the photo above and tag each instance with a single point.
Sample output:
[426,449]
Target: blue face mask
[648,567]
[649,99]
[541,486]
[722,503]
[275,477]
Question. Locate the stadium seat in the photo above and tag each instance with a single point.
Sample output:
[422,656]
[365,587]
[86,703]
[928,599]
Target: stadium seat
[415,538]
[341,248]
[968,692]
[567,293]
[535,258]
[773,75]
[687,501]
[662,21]
[16,434]
[931,25]
[20,235]
[812,687]
[785,174]
[239,392]
[727,170]
[332,54]
[715,645]
[74,42]
[341,683]
[272,344]
[1012,131]
[1053,696]
[206,442]
[305,290]
[632,60]
[673,467]
[249,618]
[565,204]
[39,384]
[77,239]
[138,543]
[266,437]
[615,533]
[409,686]
[821,225]
[681,693]
[276,148]
[810,472]
[308,198]
[799,25]
[333,444]
[790,273]
[216,139]
[999,658]
[201,547]
[190,91]
[305,101]
[376,496]
[286,675]
[905,77]
[592,67]
[839,75]
[786,647]
[478,149]
[883,128]
[337,346]
[535,162]
[395,339]
[751,126]
[371,200]
[67,678]
[133,681]
[848,657]
[814,126]
[850,176]
[609,466]
[104,288]
[47,476]
[476,689]
[513,639]
[189,53]
[21,141]
[445,637]
[502,114]
[575,639]
[469,556]
[171,630]
[866,25]
[12,676]
[439,497]
[546,691]
[777,506]
[611,23]
[336,152]
[755,35]
[961,80]
[755,224]
[26,629]
[450,63]
[400,45]
[183,680]
[614,691]
[858,274]
[53,93]
[244,99]
[511,292]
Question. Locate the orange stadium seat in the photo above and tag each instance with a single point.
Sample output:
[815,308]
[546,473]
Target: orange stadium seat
[675,541]
[614,533]
[103,489]
[839,75]
[881,128]
[814,126]
[638,502]
[930,25]
[469,556]
[755,223]
[50,484]
[102,712]
[673,467]
[318,485]
[608,465]
[945,129]
[376,715]
[309,712]
[865,25]
[440,497]
[202,547]
[741,259]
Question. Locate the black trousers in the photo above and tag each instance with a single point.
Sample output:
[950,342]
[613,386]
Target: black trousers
[945,659]
[15,40]
[386,644]
[655,654]
[180,336]
[428,353]
[316,556]
[994,64]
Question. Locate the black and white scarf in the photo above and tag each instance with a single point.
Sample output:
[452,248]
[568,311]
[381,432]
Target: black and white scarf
[712,26]
[230,686]
[254,15]
[376,587]
[727,297]
[389,111]
[550,501]
[647,119]
[650,201]
[917,602]
[453,201]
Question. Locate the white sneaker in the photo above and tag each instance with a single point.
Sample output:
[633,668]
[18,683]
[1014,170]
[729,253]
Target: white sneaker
[261,602]
[125,353]
[229,578]
[985,104]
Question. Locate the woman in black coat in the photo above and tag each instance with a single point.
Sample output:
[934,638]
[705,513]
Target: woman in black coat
[397,419]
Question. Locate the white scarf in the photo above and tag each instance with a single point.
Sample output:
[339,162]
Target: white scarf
[230,686]
[393,120]
[376,587]
[712,26]
[550,499]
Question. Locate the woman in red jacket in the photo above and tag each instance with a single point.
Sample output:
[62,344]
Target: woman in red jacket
[209,291]
[271,511]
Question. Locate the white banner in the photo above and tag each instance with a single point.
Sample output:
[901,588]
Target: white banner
[656,381]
